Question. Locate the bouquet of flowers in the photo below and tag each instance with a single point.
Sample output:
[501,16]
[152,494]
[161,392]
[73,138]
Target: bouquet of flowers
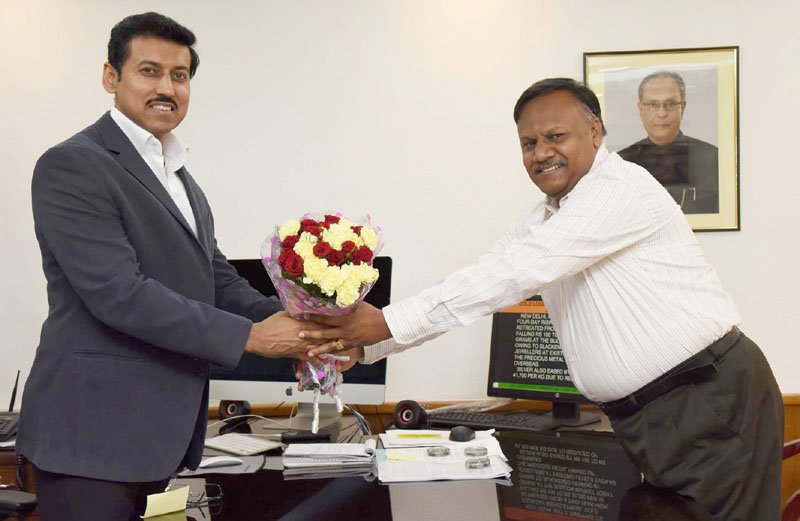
[322,266]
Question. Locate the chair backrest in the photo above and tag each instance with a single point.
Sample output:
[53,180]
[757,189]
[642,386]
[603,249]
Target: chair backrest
[791,509]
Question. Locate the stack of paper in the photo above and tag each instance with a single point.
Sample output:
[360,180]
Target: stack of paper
[329,459]
[406,457]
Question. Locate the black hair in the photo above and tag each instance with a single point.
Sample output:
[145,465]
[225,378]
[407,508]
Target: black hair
[580,91]
[148,24]
[674,76]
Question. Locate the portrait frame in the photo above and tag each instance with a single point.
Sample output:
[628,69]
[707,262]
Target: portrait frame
[643,116]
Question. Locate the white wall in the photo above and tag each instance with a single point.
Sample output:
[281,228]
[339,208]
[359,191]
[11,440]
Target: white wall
[401,109]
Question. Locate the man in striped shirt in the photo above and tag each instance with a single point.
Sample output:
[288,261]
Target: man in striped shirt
[647,330]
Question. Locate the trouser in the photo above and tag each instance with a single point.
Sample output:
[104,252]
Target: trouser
[718,440]
[73,498]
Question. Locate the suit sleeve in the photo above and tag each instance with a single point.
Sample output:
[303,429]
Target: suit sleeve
[234,294]
[77,220]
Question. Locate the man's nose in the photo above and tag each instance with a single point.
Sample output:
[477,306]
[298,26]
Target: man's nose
[542,153]
[165,86]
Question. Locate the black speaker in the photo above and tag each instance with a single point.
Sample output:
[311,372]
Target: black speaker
[408,414]
[231,408]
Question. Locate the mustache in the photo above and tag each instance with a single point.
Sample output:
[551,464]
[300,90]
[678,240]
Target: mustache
[163,99]
[538,167]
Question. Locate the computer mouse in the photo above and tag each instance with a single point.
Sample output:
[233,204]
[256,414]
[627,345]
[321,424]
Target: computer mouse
[461,433]
[219,461]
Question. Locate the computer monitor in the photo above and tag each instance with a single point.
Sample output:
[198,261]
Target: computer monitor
[271,380]
[526,362]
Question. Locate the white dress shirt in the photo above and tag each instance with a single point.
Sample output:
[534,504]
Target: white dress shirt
[163,161]
[627,287]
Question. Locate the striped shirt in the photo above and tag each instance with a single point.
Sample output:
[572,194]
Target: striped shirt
[628,289]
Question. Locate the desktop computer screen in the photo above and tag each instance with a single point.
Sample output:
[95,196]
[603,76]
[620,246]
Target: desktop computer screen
[526,362]
[272,380]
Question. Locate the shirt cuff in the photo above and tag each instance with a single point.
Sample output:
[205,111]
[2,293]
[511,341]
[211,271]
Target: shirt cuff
[378,351]
[407,321]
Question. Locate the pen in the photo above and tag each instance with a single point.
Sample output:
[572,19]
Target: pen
[418,435]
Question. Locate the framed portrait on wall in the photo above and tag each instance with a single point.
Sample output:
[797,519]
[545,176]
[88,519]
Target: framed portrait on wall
[675,112]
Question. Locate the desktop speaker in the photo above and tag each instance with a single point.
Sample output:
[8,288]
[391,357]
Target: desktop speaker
[408,414]
[231,408]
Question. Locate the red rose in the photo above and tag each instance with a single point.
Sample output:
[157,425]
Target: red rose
[363,254]
[356,229]
[311,226]
[348,246]
[291,263]
[335,258]
[331,219]
[289,241]
[322,249]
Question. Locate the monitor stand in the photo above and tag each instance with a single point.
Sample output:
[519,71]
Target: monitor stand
[328,416]
[568,414]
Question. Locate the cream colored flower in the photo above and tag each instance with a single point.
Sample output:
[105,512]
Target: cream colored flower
[336,234]
[370,237]
[288,228]
[347,293]
[308,237]
[368,273]
[314,269]
[331,279]
[304,249]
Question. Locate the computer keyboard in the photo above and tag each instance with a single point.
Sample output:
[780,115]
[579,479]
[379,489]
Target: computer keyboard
[241,444]
[525,421]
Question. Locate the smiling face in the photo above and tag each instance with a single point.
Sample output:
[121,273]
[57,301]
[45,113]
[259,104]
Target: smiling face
[559,140]
[153,88]
[661,110]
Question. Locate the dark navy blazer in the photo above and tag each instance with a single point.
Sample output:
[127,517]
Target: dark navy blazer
[138,308]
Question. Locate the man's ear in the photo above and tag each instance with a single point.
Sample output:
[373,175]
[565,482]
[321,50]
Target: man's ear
[110,78]
[597,132]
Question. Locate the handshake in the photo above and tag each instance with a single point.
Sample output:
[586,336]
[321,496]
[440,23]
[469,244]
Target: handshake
[281,336]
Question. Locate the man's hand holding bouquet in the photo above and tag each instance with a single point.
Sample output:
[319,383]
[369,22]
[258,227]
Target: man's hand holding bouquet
[322,267]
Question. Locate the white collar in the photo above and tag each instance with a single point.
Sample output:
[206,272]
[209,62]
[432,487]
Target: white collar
[173,148]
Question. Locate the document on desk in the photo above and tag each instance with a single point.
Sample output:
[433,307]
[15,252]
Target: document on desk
[329,454]
[403,465]
[427,438]
[419,464]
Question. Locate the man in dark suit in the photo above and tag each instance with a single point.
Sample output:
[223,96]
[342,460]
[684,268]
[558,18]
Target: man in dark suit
[141,299]
[687,167]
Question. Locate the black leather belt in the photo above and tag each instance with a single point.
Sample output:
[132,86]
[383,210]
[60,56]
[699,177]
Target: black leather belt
[699,368]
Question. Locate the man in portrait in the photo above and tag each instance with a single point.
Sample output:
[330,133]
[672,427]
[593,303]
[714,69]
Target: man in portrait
[687,167]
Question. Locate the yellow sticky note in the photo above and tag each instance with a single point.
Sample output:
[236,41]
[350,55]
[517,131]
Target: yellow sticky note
[394,455]
[166,502]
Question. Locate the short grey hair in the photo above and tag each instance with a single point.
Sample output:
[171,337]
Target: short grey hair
[674,76]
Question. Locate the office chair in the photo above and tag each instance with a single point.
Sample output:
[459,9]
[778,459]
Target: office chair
[17,503]
[791,509]
[14,503]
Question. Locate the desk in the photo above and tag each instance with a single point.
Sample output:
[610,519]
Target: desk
[569,475]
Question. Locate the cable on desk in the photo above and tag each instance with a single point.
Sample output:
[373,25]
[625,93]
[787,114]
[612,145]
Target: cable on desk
[361,421]
[257,416]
